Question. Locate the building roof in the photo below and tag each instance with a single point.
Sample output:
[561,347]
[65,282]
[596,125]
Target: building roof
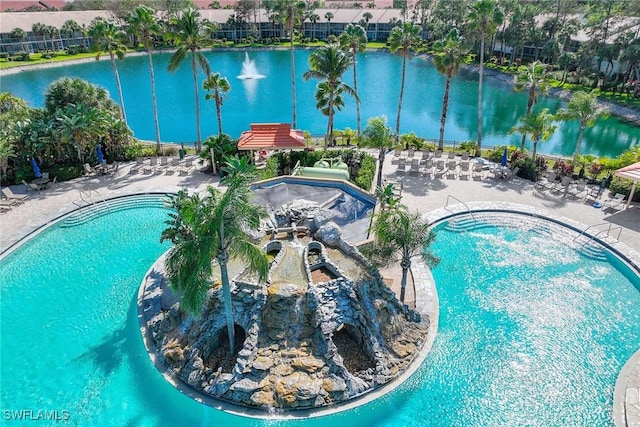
[25,20]
[271,136]
[16,5]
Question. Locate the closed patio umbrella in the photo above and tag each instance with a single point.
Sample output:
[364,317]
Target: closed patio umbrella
[503,161]
[100,155]
[36,169]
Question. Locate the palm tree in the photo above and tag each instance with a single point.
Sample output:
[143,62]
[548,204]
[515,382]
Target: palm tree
[584,108]
[190,35]
[108,38]
[399,236]
[378,135]
[313,18]
[536,78]
[539,126]
[39,29]
[220,86]
[354,38]
[401,40]
[213,228]
[329,63]
[484,19]
[51,32]
[449,55]
[18,34]
[143,23]
[328,16]
[292,12]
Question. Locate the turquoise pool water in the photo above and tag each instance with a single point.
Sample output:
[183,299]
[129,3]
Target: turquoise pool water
[527,336]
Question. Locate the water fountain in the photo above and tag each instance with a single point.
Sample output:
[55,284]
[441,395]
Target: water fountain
[249,69]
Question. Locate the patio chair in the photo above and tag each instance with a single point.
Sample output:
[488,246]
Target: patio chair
[425,156]
[411,152]
[440,168]
[88,170]
[10,195]
[186,169]
[428,168]
[464,169]
[548,181]
[563,185]
[173,166]
[452,169]
[614,202]
[579,190]
[437,154]
[511,173]
[451,155]
[7,204]
[153,161]
[477,171]
[465,156]
[402,165]
[415,166]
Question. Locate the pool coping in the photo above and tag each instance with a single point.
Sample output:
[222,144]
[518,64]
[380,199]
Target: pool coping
[626,393]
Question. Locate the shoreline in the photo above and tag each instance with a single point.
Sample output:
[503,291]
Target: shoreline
[625,113]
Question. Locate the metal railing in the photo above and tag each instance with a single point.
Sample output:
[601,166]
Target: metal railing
[608,231]
[87,198]
[446,205]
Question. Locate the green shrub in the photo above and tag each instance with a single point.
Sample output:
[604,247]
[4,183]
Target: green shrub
[138,149]
[469,146]
[270,170]
[367,170]
[623,186]
[4,55]
[65,172]
[527,168]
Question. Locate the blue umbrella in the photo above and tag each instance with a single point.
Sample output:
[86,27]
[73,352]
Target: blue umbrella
[503,161]
[36,169]
[100,155]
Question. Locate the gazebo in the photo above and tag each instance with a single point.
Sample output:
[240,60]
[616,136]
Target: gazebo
[631,172]
[271,136]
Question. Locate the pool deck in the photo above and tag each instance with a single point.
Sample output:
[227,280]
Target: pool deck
[435,197]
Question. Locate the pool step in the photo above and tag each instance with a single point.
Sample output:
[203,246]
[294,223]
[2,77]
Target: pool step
[488,219]
[593,251]
[87,213]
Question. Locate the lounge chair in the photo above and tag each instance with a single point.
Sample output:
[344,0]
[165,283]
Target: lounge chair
[563,185]
[614,202]
[465,156]
[12,196]
[437,154]
[411,152]
[425,156]
[173,166]
[451,155]
[34,187]
[7,204]
[186,169]
[153,161]
[440,168]
[548,181]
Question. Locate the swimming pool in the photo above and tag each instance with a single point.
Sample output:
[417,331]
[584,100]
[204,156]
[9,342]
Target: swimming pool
[516,344]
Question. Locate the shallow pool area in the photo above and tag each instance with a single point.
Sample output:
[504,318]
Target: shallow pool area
[532,331]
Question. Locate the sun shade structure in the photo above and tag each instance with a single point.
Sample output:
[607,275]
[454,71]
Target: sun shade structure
[271,136]
[631,172]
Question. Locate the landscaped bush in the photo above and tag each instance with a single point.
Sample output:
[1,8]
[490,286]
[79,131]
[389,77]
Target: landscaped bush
[366,172]
[527,168]
[137,149]
[65,173]
[623,186]
[4,55]
[270,170]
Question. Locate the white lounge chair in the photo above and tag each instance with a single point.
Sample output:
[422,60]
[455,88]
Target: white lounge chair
[415,166]
[88,170]
[12,196]
[579,190]
[614,202]
[478,171]
[34,187]
[428,168]
[464,169]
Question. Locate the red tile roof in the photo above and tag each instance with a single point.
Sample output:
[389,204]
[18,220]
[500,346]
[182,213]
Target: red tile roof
[271,136]
[17,5]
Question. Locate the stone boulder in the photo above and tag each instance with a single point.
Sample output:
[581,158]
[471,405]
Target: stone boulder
[329,234]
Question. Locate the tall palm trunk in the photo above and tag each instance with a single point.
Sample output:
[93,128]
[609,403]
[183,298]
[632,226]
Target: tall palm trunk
[535,149]
[405,264]
[195,87]
[226,292]
[293,81]
[355,87]
[218,113]
[404,67]
[445,106]
[154,101]
[119,86]
[480,77]
[532,95]
[381,156]
[578,142]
